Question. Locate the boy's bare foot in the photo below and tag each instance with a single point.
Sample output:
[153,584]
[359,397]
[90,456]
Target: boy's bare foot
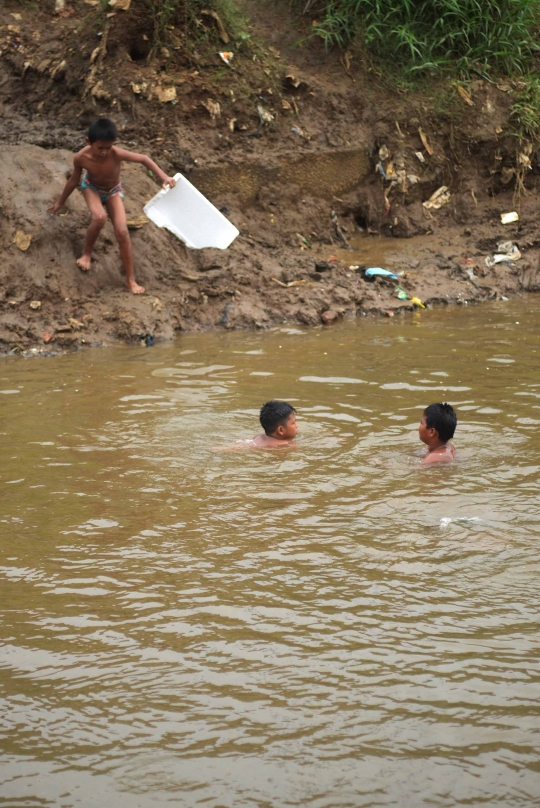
[135,288]
[84,262]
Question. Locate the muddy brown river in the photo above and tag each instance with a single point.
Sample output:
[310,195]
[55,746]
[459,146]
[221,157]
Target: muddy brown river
[328,627]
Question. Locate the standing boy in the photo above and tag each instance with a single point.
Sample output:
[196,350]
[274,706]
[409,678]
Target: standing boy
[436,428]
[97,167]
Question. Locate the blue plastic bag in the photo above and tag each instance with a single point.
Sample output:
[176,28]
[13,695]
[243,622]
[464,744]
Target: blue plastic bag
[373,272]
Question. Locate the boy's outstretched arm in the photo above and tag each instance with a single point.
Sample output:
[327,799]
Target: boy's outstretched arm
[133,157]
[69,187]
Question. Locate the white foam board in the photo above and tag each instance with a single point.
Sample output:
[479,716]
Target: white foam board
[190,216]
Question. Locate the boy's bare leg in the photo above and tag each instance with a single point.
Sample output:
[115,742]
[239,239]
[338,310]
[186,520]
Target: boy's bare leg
[99,217]
[117,212]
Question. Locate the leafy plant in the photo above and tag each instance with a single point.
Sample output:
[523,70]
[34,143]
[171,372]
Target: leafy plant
[427,36]
[197,19]
[525,110]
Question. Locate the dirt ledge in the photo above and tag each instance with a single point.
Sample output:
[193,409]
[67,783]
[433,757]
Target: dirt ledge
[298,200]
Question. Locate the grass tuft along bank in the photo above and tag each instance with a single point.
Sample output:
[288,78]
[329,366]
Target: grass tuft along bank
[439,34]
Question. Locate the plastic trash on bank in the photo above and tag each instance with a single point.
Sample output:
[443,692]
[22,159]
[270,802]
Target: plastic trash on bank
[507,252]
[190,216]
[508,218]
[438,199]
[401,294]
[377,272]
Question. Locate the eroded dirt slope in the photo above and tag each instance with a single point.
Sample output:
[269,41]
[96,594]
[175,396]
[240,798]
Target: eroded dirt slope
[390,152]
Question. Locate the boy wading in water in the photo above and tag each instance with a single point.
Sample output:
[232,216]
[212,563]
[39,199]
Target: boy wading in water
[97,168]
[278,419]
[436,428]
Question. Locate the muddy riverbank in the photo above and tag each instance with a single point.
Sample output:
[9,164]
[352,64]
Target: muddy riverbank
[343,163]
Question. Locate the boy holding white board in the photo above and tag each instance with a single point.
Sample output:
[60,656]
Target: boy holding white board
[97,168]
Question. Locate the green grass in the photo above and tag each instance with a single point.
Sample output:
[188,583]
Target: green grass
[429,36]
[194,18]
[525,112]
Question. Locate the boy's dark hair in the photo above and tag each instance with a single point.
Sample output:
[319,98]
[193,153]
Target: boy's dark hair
[102,129]
[442,418]
[274,414]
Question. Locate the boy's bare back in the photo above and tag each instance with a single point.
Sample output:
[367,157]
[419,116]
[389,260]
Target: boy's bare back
[258,442]
[443,454]
[268,442]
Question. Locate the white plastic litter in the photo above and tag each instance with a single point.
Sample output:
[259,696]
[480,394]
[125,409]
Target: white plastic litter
[507,252]
[438,199]
[190,216]
[508,218]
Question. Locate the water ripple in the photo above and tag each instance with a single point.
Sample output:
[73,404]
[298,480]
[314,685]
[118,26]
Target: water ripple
[328,627]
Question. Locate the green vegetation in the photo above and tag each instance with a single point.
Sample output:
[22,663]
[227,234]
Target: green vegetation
[525,111]
[441,34]
[212,20]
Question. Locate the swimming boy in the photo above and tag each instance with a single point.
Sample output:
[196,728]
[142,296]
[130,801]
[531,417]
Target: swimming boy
[436,428]
[97,168]
[278,419]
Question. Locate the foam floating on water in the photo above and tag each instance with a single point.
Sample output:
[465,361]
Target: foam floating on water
[458,520]
[331,379]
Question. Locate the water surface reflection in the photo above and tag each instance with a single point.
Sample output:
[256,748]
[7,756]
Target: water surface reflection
[330,627]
